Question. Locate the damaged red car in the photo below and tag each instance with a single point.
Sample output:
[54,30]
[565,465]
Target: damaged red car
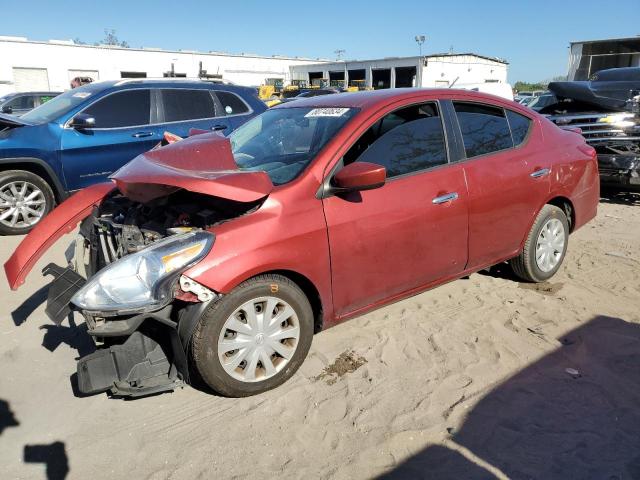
[221,257]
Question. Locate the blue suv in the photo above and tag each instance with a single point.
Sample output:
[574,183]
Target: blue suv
[82,136]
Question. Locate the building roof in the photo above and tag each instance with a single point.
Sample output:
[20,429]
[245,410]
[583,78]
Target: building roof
[417,57]
[604,40]
[71,43]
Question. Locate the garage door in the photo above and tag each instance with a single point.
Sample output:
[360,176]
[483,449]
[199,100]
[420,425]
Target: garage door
[30,79]
[93,74]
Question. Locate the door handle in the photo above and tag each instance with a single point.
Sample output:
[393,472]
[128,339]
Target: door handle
[540,173]
[142,134]
[449,197]
[217,128]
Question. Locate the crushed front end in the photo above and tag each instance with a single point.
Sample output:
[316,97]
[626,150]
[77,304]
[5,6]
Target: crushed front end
[125,277]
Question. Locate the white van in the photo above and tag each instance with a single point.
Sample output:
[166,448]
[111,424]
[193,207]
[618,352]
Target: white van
[498,89]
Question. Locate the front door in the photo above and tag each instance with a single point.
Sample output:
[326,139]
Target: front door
[408,233]
[122,132]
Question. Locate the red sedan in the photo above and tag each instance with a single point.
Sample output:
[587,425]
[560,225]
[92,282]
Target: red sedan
[225,255]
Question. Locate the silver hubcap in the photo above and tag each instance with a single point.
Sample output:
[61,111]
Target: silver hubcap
[258,339]
[22,204]
[550,245]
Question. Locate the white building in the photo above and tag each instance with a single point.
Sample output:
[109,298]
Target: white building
[49,66]
[440,70]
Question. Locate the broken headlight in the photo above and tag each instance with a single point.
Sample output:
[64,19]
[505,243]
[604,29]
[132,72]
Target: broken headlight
[143,281]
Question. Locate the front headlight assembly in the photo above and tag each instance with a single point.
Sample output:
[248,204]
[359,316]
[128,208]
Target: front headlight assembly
[143,281]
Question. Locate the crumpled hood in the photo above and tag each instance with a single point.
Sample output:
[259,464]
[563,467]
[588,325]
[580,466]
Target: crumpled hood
[605,96]
[202,163]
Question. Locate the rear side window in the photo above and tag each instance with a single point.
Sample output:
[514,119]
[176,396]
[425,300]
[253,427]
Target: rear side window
[122,109]
[22,102]
[519,127]
[405,141]
[231,103]
[484,128]
[182,105]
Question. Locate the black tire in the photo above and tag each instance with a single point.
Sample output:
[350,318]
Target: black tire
[525,265]
[204,346]
[11,176]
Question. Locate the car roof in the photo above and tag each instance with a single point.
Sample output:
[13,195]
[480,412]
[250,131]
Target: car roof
[372,98]
[157,83]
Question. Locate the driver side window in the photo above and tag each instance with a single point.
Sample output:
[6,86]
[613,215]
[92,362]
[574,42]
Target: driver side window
[130,108]
[404,141]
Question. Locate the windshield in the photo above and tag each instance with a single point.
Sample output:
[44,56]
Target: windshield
[282,142]
[51,110]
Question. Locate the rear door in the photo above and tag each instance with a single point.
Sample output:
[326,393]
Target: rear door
[185,108]
[235,110]
[123,131]
[507,175]
[408,233]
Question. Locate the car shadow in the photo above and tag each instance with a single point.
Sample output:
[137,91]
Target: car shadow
[620,197]
[572,414]
[74,335]
[26,308]
[7,418]
[53,455]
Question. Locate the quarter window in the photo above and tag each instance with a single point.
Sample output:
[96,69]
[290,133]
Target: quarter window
[404,141]
[231,103]
[484,128]
[123,109]
[519,127]
[182,105]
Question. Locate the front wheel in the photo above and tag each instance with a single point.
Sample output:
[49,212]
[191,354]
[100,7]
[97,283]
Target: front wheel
[25,198]
[545,247]
[255,338]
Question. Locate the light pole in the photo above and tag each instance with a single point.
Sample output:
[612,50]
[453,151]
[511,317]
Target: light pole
[420,40]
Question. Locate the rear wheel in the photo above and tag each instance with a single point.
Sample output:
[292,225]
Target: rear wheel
[25,198]
[545,247]
[255,338]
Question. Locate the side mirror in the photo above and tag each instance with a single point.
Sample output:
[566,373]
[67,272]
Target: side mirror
[360,176]
[7,109]
[82,121]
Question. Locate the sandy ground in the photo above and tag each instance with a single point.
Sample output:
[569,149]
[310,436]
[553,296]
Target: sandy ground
[481,378]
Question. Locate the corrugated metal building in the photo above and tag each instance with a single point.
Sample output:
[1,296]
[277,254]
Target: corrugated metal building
[591,56]
[32,65]
[438,70]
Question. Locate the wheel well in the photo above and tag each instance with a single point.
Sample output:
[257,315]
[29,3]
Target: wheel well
[36,169]
[309,290]
[567,207]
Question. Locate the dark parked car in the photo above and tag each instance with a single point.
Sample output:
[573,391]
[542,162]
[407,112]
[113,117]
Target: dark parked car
[234,251]
[607,111]
[23,102]
[83,135]
[314,92]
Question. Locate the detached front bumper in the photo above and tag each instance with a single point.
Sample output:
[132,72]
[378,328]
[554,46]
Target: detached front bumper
[621,171]
[136,355]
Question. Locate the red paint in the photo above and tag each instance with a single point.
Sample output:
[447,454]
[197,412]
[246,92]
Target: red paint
[62,220]
[363,249]
[361,175]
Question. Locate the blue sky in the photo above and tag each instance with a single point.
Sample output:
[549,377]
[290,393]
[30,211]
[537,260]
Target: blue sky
[532,36]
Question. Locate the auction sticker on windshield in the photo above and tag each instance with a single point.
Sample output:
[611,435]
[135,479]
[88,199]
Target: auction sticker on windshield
[327,112]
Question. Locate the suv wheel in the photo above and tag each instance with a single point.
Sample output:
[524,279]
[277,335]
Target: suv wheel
[25,198]
[255,338]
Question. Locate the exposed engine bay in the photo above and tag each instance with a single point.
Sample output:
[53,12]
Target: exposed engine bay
[121,226]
